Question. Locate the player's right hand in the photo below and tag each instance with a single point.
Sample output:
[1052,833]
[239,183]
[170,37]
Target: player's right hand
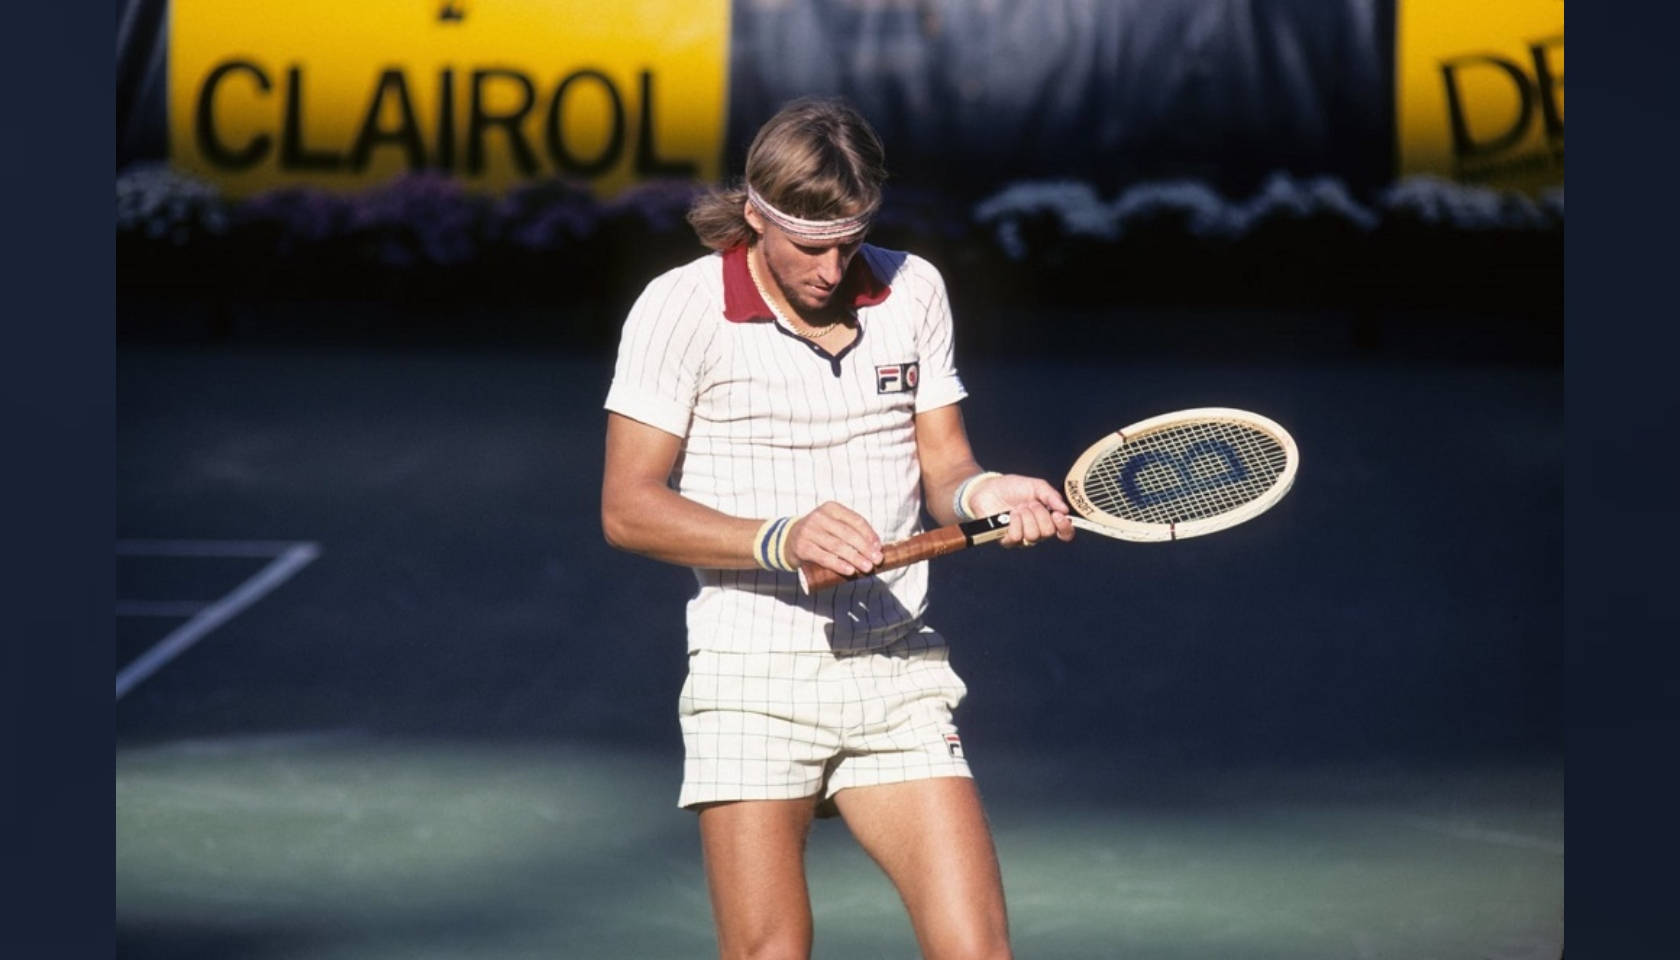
[836,537]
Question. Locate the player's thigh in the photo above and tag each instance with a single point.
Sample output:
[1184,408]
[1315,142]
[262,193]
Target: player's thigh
[755,870]
[932,839]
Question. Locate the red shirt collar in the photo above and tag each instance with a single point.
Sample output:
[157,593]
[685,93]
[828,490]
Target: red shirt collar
[742,302]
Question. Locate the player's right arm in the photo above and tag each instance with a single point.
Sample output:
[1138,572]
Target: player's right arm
[640,513]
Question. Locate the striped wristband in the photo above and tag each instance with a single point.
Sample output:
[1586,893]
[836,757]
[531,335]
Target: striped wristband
[959,501]
[768,544]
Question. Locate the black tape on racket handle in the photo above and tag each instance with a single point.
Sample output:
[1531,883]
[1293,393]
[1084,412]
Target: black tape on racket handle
[985,529]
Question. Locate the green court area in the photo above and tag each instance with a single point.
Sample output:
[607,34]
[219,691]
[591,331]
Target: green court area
[1332,733]
[350,845]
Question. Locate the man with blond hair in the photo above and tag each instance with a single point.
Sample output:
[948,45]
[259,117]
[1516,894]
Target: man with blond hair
[792,398]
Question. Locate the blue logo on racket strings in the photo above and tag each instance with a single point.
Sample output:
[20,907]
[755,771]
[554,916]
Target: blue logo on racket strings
[1180,464]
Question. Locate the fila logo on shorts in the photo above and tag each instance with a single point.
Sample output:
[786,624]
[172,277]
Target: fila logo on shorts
[953,743]
[896,377]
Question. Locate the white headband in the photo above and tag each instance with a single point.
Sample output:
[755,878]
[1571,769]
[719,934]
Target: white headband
[815,231]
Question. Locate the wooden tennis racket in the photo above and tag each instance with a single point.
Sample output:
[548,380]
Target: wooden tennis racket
[1170,477]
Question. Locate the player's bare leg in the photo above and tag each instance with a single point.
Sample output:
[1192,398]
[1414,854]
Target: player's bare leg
[931,838]
[755,868]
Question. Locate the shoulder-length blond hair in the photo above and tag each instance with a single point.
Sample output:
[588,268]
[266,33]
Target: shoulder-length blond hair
[817,159]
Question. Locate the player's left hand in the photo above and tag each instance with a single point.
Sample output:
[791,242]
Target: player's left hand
[1036,510]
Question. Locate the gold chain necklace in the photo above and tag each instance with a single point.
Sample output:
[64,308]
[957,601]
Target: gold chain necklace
[799,327]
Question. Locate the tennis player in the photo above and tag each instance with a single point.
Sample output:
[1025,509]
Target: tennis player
[791,397]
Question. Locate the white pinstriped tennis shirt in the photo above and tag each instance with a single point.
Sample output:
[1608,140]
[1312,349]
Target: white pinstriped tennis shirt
[773,425]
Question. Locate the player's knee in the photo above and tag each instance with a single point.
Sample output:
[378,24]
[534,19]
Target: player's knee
[780,941]
[976,951]
[980,943]
[775,948]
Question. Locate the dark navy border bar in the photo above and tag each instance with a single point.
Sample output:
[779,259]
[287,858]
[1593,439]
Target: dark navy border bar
[56,722]
[1621,530]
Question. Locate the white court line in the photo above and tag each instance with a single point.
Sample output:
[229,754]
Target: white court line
[289,558]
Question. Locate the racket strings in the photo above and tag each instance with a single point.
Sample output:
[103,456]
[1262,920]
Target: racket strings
[1185,472]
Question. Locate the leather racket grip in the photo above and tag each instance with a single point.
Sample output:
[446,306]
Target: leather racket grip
[922,546]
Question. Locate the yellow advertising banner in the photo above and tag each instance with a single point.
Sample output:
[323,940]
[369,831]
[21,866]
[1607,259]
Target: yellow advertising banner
[494,92]
[1479,91]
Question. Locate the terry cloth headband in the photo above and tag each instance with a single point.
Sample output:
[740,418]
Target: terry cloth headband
[815,231]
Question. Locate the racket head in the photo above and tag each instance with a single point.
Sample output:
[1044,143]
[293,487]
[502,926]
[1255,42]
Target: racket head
[1182,474]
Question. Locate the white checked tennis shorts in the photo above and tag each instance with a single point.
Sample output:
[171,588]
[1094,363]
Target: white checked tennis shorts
[781,726]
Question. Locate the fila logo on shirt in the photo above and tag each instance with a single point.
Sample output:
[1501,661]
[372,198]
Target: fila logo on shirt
[897,377]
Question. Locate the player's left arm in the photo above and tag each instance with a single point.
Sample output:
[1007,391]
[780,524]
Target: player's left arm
[1037,510]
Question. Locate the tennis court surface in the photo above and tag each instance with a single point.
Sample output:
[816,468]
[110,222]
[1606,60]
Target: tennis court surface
[426,713]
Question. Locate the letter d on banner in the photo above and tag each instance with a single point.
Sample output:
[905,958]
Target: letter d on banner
[1479,91]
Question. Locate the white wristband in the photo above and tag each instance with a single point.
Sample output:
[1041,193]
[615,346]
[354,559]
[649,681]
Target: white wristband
[959,501]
